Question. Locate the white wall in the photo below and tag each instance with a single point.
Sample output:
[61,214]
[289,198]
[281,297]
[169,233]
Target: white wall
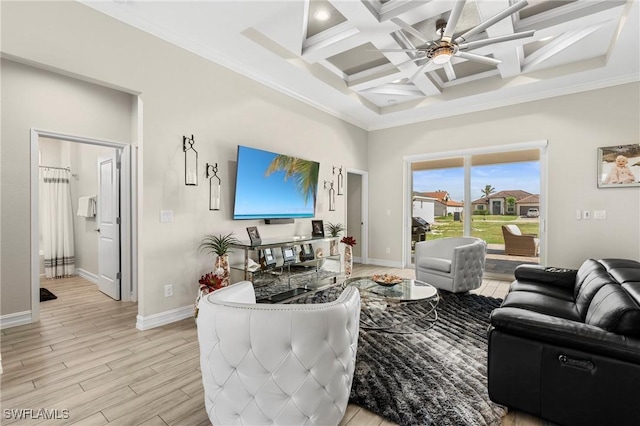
[182,94]
[424,209]
[574,126]
[33,98]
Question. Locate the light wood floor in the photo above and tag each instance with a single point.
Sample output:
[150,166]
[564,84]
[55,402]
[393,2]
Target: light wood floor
[86,356]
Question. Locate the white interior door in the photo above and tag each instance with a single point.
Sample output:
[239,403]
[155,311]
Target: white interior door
[109,226]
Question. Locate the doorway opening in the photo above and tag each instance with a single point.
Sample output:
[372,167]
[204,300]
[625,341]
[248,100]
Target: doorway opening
[82,157]
[356,205]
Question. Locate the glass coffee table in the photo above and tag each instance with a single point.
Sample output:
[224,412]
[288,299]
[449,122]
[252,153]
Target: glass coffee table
[406,307]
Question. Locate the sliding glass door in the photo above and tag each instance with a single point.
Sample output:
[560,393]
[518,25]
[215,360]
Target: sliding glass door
[489,195]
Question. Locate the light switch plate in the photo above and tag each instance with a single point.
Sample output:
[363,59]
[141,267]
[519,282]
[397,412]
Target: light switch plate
[166,215]
[578,214]
[599,214]
[586,215]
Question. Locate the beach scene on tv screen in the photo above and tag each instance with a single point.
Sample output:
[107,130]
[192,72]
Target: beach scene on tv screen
[271,185]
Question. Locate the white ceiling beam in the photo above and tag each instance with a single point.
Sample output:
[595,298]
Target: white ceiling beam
[380,35]
[558,45]
[562,15]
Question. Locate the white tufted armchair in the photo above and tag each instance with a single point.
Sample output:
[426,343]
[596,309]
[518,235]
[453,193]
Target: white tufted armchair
[454,264]
[276,364]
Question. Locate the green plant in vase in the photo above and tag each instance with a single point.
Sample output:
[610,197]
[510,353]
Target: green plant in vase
[334,230]
[221,246]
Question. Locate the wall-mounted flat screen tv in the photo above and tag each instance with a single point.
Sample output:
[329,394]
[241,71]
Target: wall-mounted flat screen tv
[274,186]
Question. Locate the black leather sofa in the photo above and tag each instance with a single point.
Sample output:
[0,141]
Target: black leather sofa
[565,344]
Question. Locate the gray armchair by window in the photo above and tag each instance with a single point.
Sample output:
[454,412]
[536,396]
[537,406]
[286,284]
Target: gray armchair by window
[453,264]
[276,364]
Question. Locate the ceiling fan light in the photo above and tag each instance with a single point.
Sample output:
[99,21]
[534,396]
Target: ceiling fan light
[442,56]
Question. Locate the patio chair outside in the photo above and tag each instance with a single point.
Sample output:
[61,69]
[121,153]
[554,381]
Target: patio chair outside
[518,244]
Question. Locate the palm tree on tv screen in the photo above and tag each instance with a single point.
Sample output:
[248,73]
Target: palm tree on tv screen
[304,172]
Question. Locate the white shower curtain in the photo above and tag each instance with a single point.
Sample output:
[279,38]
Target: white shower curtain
[56,222]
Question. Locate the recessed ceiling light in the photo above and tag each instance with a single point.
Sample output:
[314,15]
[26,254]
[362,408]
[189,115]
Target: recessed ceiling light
[322,15]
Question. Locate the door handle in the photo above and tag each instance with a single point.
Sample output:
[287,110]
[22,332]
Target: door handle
[97,229]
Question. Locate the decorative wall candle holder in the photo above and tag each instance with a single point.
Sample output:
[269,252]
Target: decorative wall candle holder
[190,161]
[214,186]
[340,179]
[332,195]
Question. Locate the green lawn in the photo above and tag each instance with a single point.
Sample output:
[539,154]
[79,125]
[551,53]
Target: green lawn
[489,228]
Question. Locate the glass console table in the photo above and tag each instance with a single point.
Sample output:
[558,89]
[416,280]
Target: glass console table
[298,270]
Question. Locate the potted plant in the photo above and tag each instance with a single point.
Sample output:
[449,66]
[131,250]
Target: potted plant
[209,282]
[334,230]
[221,246]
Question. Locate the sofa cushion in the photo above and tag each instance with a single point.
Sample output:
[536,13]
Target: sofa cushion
[562,293]
[561,277]
[442,265]
[591,277]
[614,310]
[543,304]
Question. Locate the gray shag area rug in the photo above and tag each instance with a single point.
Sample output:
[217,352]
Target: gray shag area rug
[434,376]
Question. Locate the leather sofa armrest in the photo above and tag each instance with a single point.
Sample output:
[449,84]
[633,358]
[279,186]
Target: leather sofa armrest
[567,333]
[547,275]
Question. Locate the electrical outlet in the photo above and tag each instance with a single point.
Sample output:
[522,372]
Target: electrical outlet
[168,290]
[388,250]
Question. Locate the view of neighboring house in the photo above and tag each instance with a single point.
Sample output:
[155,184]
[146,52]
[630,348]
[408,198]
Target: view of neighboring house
[498,203]
[429,205]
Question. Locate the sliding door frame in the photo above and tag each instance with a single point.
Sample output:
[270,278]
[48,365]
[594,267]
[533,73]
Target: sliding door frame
[467,154]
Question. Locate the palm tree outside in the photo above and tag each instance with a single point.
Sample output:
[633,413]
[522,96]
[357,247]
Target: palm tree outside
[486,192]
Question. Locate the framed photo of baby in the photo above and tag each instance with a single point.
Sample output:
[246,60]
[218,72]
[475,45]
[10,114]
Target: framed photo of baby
[619,166]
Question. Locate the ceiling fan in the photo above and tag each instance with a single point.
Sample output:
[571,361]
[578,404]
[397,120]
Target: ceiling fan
[441,51]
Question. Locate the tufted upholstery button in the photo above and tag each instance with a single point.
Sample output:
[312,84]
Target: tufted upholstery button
[276,364]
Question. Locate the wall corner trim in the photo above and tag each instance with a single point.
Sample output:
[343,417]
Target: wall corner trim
[15,319]
[89,276]
[162,318]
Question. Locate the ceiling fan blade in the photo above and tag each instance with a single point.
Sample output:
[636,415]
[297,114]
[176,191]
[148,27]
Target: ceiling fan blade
[481,43]
[489,22]
[394,50]
[408,28]
[420,70]
[478,58]
[410,60]
[453,20]
[448,69]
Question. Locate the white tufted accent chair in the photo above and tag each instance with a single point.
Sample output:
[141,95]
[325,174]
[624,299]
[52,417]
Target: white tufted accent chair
[454,264]
[276,364]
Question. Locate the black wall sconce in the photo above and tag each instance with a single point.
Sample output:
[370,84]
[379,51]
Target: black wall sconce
[214,187]
[340,179]
[190,161]
[332,195]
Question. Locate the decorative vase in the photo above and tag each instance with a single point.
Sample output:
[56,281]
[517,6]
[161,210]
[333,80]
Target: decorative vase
[222,262]
[333,247]
[348,260]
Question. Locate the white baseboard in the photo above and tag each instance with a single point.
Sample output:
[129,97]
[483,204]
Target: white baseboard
[89,276]
[387,263]
[14,320]
[162,318]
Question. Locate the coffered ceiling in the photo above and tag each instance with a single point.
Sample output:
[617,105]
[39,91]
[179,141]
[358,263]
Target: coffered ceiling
[328,53]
